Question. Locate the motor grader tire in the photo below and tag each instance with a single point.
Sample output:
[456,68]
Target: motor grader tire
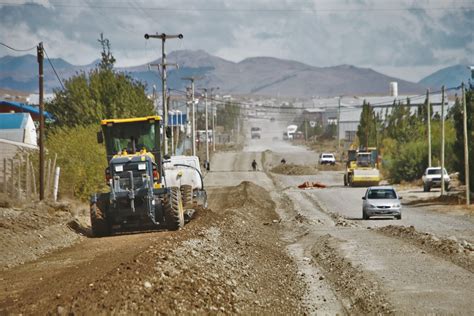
[99,225]
[187,196]
[174,211]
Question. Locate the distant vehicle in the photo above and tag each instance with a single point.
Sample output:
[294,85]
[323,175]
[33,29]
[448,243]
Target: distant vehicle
[327,159]
[291,130]
[381,201]
[362,167]
[432,178]
[201,136]
[255,132]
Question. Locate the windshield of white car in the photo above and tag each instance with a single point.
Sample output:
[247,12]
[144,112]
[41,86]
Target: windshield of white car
[328,156]
[435,171]
[381,194]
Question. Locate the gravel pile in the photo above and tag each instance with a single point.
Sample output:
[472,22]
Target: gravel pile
[28,232]
[227,260]
[294,170]
[362,295]
[460,252]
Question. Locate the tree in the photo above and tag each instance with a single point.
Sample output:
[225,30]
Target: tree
[101,93]
[228,115]
[367,129]
[107,62]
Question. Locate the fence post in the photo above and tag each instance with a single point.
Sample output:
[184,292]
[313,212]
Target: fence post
[51,175]
[18,193]
[48,179]
[5,176]
[27,178]
[56,184]
[33,178]
[12,179]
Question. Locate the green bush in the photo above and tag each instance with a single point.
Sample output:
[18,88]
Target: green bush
[81,158]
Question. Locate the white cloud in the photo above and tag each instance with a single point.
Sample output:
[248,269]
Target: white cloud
[373,33]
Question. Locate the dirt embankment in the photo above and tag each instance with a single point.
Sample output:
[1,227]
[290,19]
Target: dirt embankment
[229,259]
[294,170]
[361,294]
[460,252]
[30,231]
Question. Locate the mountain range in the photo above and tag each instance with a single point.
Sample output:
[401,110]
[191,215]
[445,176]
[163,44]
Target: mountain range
[256,75]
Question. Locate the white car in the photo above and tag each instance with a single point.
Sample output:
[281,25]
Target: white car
[381,201]
[432,178]
[327,159]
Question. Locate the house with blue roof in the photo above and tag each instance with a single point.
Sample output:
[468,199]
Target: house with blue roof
[18,128]
[18,107]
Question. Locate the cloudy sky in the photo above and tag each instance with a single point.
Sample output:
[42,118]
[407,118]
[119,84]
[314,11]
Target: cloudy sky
[404,38]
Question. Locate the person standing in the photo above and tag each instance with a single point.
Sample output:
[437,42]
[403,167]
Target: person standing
[254,165]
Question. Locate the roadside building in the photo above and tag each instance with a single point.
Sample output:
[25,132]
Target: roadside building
[17,134]
[18,107]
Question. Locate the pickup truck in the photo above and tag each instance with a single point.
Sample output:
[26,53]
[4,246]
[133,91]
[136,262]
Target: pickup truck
[326,158]
[432,178]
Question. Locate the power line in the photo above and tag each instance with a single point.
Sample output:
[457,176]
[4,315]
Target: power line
[49,60]
[17,49]
[249,10]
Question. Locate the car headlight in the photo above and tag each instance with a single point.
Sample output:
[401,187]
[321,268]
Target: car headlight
[396,205]
[372,206]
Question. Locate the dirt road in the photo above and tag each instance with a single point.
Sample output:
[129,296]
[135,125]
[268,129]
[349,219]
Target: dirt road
[263,246]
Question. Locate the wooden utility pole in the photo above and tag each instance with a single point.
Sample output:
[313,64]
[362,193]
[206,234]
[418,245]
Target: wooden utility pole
[193,114]
[163,38]
[207,127]
[442,140]
[214,113]
[40,56]
[466,149]
[429,125]
[338,127]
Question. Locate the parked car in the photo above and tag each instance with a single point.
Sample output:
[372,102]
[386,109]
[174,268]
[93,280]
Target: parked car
[327,159]
[432,179]
[381,201]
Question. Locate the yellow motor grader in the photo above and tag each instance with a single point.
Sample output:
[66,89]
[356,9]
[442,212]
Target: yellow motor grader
[137,198]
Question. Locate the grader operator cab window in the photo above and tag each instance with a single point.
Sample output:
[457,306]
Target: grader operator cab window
[131,137]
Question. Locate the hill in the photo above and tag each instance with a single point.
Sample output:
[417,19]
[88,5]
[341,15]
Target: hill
[256,75]
[449,77]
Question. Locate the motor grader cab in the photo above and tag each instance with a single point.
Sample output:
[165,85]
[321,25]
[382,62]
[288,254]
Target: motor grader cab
[137,198]
[362,167]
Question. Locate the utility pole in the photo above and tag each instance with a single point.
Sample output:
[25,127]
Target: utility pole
[305,129]
[338,127]
[429,125]
[466,150]
[163,38]
[207,126]
[193,115]
[442,140]
[40,57]
[214,113]
[172,123]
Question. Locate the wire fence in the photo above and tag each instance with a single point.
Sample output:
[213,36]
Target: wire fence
[19,178]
